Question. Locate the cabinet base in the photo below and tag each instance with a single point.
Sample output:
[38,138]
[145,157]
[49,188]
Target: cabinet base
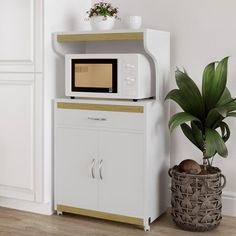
[102,215]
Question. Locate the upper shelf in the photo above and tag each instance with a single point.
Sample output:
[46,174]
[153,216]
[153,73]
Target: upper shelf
[155,43]
[99,37]
[113,35]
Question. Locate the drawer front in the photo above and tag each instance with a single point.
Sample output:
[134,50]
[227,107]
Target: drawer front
[100,115]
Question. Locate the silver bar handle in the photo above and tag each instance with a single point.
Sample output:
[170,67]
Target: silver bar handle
[100,169]
[97,119]
[92,168]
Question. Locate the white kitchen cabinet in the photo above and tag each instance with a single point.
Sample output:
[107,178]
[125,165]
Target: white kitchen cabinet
[110,160]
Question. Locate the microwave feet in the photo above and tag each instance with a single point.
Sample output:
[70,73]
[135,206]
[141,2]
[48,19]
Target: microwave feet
[72,97]
[135,100]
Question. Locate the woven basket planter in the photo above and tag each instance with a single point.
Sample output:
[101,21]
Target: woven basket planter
[196,199]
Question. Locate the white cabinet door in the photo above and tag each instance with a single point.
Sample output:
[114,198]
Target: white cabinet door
[75,182]
[121,188]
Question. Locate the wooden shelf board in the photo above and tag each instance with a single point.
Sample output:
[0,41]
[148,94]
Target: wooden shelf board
[99,37]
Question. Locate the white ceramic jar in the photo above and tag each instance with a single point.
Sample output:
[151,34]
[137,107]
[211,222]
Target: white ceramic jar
[134,22]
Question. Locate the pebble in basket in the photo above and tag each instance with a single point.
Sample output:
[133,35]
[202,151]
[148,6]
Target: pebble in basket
[196,190]
[102,16]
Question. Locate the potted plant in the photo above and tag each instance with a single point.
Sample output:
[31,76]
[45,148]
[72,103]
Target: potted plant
[196,197]
[102,16]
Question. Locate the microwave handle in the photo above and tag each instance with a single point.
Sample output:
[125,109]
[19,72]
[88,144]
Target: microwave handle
[97,119]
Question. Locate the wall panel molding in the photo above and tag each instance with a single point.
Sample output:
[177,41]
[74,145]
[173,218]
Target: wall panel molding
[21,96]
[20,139]
[20,47]
[229,203]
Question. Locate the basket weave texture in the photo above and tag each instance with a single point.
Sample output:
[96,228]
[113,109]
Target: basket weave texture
[196,199]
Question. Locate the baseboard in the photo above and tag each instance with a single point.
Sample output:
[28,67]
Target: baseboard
[229,203]
[35,207]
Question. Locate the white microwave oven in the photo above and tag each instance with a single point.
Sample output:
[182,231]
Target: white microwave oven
[115,76]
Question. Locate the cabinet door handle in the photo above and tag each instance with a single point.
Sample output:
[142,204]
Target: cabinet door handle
[92,168]
[97,118]
[100,169]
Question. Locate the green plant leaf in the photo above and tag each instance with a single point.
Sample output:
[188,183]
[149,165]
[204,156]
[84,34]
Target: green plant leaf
[189,134]
[213,118]
[177,96]
[231,106]
[225,98]
[208,77]
[225,131]
[216,115]
[222,111]
[214,143]
[214,83]
[191,93]
[232,114]
[194,134]
[221,76]
[180,118]
[197,133]
[184,102]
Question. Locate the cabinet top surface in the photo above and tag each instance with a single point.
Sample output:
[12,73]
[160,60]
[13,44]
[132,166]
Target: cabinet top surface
[106,102]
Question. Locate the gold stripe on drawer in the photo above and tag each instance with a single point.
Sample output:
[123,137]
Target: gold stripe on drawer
[101,215]
[99,37]
[100,107]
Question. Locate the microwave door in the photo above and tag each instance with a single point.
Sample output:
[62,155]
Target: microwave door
[97,76]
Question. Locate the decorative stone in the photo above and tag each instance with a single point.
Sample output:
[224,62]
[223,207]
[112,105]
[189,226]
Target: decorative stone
[189,166]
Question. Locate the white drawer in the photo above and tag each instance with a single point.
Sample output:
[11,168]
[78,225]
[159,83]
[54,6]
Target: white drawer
[100,115]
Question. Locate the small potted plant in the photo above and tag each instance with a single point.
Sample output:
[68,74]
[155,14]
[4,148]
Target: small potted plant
[102,16]
[196,191]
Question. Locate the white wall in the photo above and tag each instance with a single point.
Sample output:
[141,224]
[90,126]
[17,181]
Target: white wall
[21,105]
[201,32]
[62,15]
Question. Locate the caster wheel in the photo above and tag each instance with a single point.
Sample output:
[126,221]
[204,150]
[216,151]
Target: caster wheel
[147,228]
[59,213]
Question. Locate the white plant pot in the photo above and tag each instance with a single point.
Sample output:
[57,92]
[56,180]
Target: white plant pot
[101,23]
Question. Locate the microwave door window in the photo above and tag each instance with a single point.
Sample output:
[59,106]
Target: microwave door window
[93,77]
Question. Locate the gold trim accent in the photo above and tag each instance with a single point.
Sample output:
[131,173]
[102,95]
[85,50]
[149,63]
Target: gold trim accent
[99,37]
[100,107]
[101,215]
